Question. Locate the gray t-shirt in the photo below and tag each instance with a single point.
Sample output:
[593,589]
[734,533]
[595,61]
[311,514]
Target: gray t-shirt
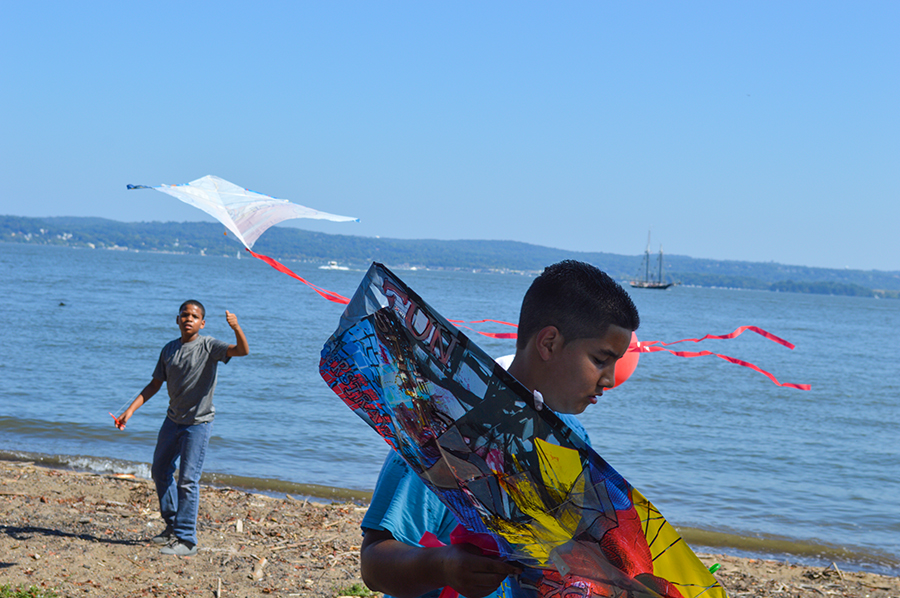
[189,371]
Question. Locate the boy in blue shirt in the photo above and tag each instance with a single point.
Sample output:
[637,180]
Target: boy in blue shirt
[188,366]
[574,325]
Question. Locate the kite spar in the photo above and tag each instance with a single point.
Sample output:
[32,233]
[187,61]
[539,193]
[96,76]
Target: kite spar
[248,215]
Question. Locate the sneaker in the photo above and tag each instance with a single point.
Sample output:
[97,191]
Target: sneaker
[179,548]
[165,537]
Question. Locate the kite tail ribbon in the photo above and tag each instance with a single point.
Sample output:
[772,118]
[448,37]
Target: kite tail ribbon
[738,331]
[656,346]
[330,295]
[746,364]
[510,335]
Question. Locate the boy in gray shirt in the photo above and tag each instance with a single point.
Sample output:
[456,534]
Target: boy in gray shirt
[188,367]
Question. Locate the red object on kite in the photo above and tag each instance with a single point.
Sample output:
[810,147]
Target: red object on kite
[656,346]
[330,295]
[626,366]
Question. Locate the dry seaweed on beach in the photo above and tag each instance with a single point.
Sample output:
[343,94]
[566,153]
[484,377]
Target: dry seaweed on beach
[82,534]
[746,577]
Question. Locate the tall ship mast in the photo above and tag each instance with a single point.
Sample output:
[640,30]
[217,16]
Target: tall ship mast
[647,281]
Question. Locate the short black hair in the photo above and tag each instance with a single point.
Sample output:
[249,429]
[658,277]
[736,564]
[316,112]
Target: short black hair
[193,302]
[579,299]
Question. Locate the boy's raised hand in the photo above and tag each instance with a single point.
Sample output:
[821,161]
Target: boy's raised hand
[240,346]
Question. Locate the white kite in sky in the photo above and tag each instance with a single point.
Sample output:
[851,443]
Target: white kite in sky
[245,213]
[248,215]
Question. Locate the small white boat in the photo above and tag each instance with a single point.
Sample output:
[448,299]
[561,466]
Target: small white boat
[333,266]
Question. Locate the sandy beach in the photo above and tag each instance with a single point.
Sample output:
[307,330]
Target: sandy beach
[83,534]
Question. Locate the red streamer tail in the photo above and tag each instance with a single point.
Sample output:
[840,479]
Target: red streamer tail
[643,347]
[330,295]
[739,331]
[509,335]
[650,348]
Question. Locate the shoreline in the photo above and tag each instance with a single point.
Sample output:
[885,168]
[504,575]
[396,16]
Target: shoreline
[809,553]
[83,534]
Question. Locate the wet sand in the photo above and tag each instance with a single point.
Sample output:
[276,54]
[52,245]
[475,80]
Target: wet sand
[83,534]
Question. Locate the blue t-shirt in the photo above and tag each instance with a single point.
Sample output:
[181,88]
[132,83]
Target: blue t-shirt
[403,505]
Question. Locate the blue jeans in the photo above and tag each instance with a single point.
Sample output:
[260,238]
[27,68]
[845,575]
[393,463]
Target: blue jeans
[179,503]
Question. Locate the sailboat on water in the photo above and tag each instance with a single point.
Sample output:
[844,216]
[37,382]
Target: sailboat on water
[647,281]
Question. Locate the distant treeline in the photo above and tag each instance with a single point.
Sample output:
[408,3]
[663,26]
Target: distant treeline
[785,286]
[295,244]
[822,288]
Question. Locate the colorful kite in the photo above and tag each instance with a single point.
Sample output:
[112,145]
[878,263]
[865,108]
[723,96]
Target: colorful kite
[508,472]
[248,215]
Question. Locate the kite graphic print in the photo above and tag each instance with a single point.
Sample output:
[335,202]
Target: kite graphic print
[516,478]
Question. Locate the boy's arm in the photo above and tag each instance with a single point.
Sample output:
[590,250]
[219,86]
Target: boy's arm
[151,389]
[240,348]
[390,566]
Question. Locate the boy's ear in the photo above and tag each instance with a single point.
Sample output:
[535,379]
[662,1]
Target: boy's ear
[548,341]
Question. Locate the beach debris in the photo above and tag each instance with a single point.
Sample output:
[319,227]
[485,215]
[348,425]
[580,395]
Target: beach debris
[300,557]
[258,570]
[828,572]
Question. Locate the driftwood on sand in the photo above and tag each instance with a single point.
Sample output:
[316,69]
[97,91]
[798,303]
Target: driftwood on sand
[82,534]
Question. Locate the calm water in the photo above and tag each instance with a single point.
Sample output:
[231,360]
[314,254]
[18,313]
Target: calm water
[742,464]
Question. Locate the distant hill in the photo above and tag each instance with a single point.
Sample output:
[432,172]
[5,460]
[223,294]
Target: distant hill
[295,244]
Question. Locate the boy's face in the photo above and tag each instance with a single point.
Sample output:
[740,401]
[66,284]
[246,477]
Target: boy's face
[190,321]
[578,373]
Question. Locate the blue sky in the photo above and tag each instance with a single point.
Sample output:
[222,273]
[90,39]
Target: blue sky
[761,131]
